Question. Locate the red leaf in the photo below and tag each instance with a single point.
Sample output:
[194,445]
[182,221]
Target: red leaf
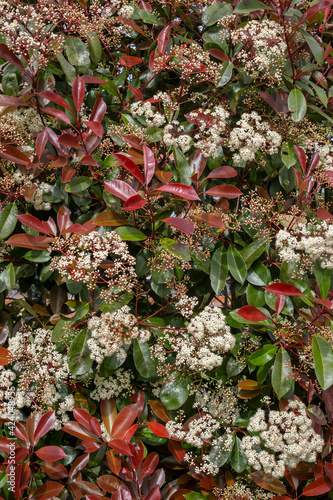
[29,241]
[158,429]
[160,410]
[5,443]
[33,223]
[44,425]
[82,416]
[179,223]
[109,413]
[129,165]
[98,111]
[177,451]
[124,420]
[222,173]
[272,103]
[251,313]
[110,483]
[75,429]
[152,60]
[95,426]
[154,494]
[47,490]
[128,434]
[313,10]
[121,494]
[96,127]
[90,446]
[120,446]
[301,156]
[130,61]
[89,160]
[268,482]
[210,220]
[323,214]
[318,487]
[279,303]
[7,54]
[78,88]
[149,164]
[67,173]
[41,142]
[13,154]
[92,79]
[52,96]
[329,470]
[198,163]
[181,190]
[218,54]
[120,189]
[150,464]
[70,141]
[114,462]
[54,469]
[137,93]
[51,453]
[225,191]
[134,203]
[5,356]
[315,158]
[8,100]
[283,289]
[78,464]
[163,39]
[57,113]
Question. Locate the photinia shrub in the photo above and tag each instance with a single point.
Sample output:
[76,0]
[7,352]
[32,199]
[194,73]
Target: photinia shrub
[166,273]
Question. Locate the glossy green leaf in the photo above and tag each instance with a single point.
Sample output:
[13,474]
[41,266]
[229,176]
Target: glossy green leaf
[147,17]
[78,184]
[282,376]
[218,270]
[78,54]
[247,6]
[253,251]
[323,361]
[8,276]
[130,233]
[79,360]
[10,80]
[226,73]
[215,12]
[315,47]
[297,105]
[238,460]
[236,264]
[255,296]
[8,220]
[95,48]
[142,359]
[175,392]
[67,68]
[182,166]
[323,277]
[264,355]
[219,453]
[175,248]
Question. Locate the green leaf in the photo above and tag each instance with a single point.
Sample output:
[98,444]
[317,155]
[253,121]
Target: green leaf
[78,54]
[323,277]
[8,220]
[147,17]
[264,355]
[67,68]
[78,184]
[175,248]
[95,48]
[10,80]
[195,495]
[37,256]
[315,48]
[215,12]
[323,361]
[79,360]
[219,454]
[253,251]
[142,359]
[255,296]
[236,264]
[218,270]
[174,393]
[60,329]
[8,276]
[320,112]
[258,274]
[238,460]
[130,233]
[110,364]
[226,73]
[297,105]
[182,166]
[288,155]
[282,376]
[247,6]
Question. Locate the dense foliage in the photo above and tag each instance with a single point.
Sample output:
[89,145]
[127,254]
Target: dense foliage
[166,249]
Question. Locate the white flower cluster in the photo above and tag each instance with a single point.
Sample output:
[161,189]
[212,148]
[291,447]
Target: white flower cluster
[83,254]
[252,135]
[211,124]
[185,305]
[240,491]
[173,136]
[38,197]
[220,402]
[314,240]
[284,441]
[207,334]
[267,57]
[197,432]
[110,331]
[145,109]
[117,384]
[41,368]
[7,378]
